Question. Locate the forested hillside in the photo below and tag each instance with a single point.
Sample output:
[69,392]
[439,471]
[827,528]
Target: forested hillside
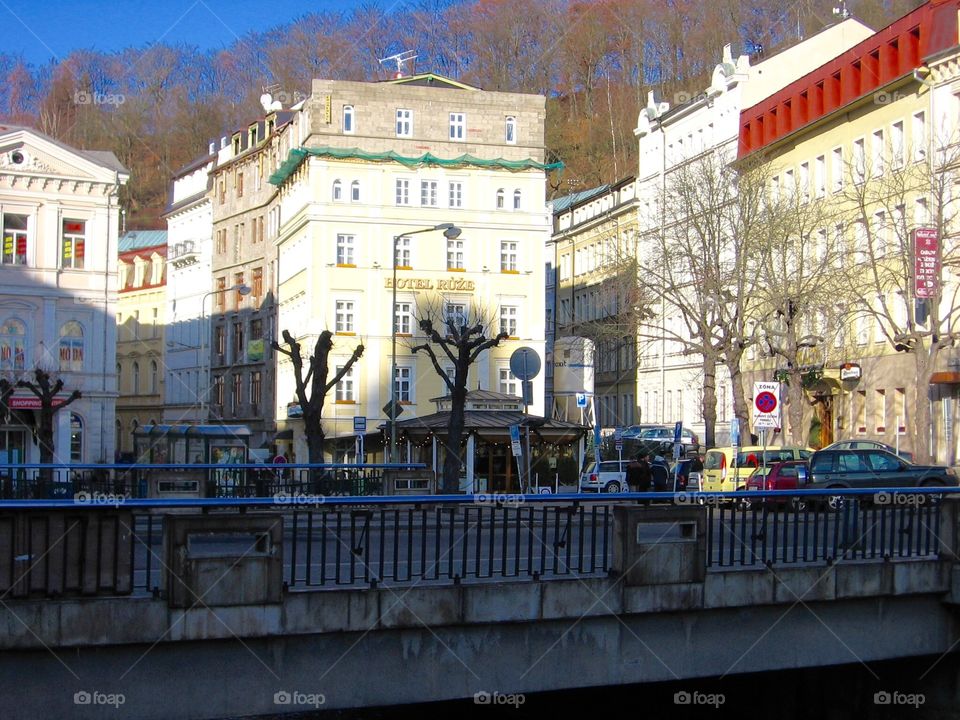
[156,107]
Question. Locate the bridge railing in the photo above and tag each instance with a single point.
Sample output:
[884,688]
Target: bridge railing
[331,542]
[130,481]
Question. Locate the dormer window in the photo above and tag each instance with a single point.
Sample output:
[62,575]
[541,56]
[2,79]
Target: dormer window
[253,136]
[348,119]
[236,144]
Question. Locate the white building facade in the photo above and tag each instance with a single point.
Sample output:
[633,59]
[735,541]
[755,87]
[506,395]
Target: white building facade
[377,161]
[58,291]
[669,382]
[189,250]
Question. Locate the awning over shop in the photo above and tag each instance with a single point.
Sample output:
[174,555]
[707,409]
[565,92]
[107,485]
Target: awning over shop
[945,377]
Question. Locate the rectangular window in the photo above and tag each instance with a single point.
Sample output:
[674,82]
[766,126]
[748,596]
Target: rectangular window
[239,344]
[509,384]
[239,184]
[345,388]
[403,385]
[456,194]
[880,411]
[236,392]
[454,254]
[508,256]
[919,136]
[345,251]
[458,126]
[456,313]
[256,388]
[14,239]
[256,329]
[222,191]
[257,283]
[403,191]
[510,130]
[859,161]
[218,390]
[900,409]
[221,294]
[220,340]
[819,176]
[508,320]
[804,181]
[860,410]
[344,317]
[837,169]
[237,283]
[402,255]
[428,193]
[404,123]
[403,319]
[73,243]
[896,144]
[348,119]
[877,150]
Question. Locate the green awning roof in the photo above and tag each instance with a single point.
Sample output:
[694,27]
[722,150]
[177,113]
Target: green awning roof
[298,155]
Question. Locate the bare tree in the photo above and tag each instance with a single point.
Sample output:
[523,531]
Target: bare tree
[461,339]
[312,387]
[799,261]
[702,257]
[878,194]
[46,389]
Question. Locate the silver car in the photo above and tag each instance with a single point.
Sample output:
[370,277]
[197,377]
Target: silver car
[610,476]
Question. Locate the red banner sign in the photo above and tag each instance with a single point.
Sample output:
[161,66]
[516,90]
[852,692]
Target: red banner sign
[30,402]
[926,262]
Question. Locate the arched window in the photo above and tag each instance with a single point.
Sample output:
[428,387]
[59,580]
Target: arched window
[510,134]
[71,347]
[337,190]
[355,191]
[136,378]
[500,197]
[348,119]
[153,376]
[516,199]
[12,345]
[76,438]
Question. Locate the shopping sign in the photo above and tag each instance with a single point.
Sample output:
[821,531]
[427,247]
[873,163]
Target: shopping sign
[926,262]
[766,405]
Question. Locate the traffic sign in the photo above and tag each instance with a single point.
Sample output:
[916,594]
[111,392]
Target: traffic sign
[359,423]
[766,405]
[734,431]
[392,409]
[581,400]
[677,432]
[525,363]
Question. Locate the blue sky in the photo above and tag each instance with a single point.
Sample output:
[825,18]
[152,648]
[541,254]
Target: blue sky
[44,29]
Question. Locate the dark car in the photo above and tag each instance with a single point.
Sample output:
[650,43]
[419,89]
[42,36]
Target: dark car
[871,468]
[655,440]
[869,445]
[782,476]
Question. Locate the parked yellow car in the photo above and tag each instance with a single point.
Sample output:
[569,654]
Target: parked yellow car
[720,474]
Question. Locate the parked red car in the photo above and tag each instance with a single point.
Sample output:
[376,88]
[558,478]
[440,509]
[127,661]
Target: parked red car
[780,476]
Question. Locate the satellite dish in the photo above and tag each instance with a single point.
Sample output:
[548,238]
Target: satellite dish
[275,105]
[266,100]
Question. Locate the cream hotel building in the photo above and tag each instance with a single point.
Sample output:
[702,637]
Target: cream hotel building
[367,163]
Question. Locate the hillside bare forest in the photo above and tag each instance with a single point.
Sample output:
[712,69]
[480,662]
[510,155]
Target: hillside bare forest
[157,107]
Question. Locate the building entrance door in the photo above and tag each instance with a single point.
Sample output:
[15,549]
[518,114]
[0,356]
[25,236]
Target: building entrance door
[13,448]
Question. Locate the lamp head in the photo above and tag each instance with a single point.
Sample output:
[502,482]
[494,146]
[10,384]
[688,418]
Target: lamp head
[243,289]
[450,232]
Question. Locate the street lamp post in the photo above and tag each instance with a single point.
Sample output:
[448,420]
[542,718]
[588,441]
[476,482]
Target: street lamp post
[244,290]
[451,232]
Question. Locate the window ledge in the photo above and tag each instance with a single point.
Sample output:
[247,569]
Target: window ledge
[456,269]
[346,334]
[404,267]
[510,272]
[346,265]
[346,402]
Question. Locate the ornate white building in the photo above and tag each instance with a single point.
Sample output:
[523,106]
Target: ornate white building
[58,290]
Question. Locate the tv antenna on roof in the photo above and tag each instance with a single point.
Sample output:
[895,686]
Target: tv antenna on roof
[400,59]
[842,10]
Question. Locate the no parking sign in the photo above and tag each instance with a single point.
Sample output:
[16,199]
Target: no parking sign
[766,405]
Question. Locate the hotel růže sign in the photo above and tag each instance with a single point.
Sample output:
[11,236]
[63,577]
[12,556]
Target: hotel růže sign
[444,284]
